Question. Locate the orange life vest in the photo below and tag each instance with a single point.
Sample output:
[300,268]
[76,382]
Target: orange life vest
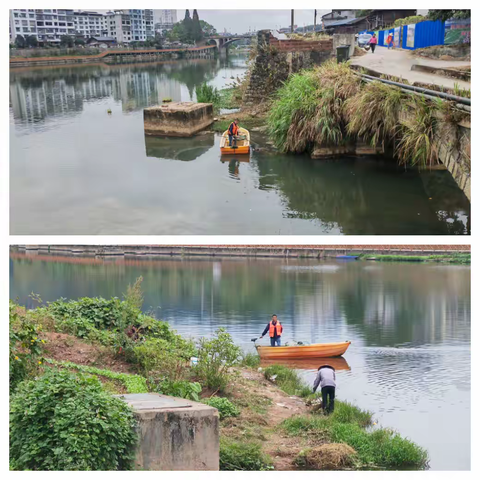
[275,330]
[234,128]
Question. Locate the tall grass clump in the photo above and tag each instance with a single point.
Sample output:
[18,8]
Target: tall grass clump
[309,108]
[373,113]
[416,134]
[207,94]
[243,456]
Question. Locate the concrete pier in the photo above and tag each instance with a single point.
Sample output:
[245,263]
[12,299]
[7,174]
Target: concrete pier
[177,119]
[174,433]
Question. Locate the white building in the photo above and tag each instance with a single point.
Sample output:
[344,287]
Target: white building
[89,24]
[129,25]
[336,15]
[164,19]
[47,25]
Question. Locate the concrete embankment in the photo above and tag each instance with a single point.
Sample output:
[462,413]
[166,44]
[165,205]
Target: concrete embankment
[280,251]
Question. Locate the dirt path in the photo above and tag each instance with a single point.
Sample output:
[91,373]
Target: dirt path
[399,63]
[281,448]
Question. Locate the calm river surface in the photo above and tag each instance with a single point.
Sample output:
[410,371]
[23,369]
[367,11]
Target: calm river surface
[409,361]
[74,169]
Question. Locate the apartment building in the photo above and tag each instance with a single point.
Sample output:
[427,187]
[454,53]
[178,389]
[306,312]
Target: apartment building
[130,25]
[47,25]
[89,24]
[164,19]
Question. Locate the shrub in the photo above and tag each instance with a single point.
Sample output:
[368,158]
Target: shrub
[332,456]
[65,421]
[224,406]
[287,379]
[25,348]
[180,388]
[215,357]
[243,456]
[251,360]
[207,94]
[164,359]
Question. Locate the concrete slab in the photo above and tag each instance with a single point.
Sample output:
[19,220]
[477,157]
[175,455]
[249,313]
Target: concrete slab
[175,433]
[400,62]
[177,119]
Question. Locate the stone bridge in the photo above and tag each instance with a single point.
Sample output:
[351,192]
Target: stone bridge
[224,41]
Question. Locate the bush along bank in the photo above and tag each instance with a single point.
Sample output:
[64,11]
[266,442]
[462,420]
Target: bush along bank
[454,258]
[68,358]
[331,106]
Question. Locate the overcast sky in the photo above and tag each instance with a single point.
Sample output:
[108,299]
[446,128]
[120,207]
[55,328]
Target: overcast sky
[239,21]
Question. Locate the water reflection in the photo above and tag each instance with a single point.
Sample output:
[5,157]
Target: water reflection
[184,149]
[338,363]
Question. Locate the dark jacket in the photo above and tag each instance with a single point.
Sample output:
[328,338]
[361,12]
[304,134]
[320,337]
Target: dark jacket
[267,328]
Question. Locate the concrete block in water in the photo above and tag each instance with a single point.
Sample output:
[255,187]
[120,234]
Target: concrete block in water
[178,119]
[174,433]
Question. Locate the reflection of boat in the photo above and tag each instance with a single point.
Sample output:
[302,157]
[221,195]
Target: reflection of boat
[173,148]
[316,350]
[240,147]
[235,158]
[338,363]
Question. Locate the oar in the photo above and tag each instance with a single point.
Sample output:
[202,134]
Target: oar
[254,340]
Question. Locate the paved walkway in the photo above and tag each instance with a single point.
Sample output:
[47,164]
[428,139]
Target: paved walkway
[399,63]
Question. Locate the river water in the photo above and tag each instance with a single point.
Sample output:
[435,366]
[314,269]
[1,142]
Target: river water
[409,324]
[74,169]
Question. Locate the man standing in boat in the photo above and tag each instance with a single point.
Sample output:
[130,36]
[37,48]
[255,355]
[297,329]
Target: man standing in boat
[232,131]
[275,329]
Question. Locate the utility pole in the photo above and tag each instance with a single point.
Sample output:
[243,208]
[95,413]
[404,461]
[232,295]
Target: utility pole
[293,21]
[315,21]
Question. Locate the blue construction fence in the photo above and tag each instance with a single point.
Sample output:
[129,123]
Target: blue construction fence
[418,35]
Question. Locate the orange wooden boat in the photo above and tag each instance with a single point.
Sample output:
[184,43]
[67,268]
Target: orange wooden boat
[316,350]
[240,147]
[338,363]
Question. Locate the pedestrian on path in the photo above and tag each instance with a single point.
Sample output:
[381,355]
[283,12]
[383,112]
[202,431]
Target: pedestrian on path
[390,41]
[373,43]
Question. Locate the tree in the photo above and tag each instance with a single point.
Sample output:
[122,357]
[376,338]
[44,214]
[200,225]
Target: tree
[197,33]
[66,41]
[188,26]
[31,41]
[79,42]
[20,41]
[207,29]
[445,15]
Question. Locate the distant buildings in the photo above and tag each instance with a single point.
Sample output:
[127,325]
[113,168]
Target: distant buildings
[164,20]
[49,25]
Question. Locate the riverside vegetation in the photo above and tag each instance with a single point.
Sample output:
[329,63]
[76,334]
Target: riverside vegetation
[68,358]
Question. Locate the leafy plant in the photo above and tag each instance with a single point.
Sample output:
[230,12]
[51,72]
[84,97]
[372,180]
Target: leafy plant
[215,357]
[25,347]
[180,388]
[288,380]
[243,456]
[207,94]
[251,360]
[133,383]
[224,406]
[66,421]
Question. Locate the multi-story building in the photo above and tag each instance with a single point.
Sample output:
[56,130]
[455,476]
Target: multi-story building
[89,24]
[47,25]
[164,20]
[130,25]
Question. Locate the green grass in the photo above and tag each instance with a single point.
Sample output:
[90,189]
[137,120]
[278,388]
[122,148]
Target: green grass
[207,94]
[454,258]
[381,448]
[288,380]
[251,360]
[132,383]
[243,455]
[229,98]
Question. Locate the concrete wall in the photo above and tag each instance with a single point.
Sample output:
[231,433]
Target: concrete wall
[344,39]
[277,59]
[175,434]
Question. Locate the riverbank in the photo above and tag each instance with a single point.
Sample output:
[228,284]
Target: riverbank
[268,418]
[425,252]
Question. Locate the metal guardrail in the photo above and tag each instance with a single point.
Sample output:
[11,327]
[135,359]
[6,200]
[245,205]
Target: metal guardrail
[419,90]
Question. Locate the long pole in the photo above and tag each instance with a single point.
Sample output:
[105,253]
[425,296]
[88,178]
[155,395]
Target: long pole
[293,21]
[315,21]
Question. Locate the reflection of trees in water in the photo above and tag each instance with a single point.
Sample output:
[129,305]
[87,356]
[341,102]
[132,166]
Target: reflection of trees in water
[36,94]
[361,196]
[386,304]
[184,149]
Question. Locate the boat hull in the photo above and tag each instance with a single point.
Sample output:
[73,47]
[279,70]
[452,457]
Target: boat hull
[338,363]
[317,350]
[235,151]
[242,147]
